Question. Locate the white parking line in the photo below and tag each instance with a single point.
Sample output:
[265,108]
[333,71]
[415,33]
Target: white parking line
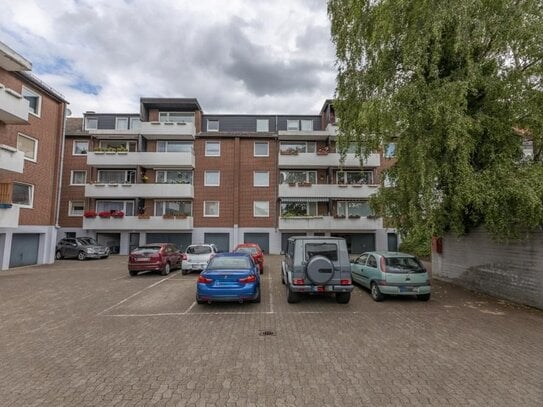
[181,314]
[191,307]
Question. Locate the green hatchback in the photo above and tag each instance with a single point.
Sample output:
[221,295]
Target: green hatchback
[391,273]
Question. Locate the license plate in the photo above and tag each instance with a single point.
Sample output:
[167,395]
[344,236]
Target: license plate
[195,266]
[318,289]
[408,290]
[141,259]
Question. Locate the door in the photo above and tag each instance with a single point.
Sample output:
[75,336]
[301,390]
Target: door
[392,240]
[357,270]
[371,271]
[181,240]
[284,239]
[24,249]
[134,241]
[262,239]
[221,240]
[362,242]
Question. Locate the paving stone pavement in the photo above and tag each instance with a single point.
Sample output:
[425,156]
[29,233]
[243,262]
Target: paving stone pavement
[86,334]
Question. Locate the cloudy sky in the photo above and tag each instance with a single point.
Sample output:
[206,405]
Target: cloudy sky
[235,56]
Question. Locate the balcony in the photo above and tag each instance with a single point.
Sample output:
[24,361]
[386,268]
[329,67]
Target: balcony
[315,160]
[139,190]
[165,130]
[11,159]
[138,223]
[327,191]
[9,214]
[13,107]
[144,159]
[329,223]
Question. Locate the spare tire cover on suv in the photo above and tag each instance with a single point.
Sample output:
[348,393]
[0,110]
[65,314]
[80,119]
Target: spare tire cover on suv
[320,270]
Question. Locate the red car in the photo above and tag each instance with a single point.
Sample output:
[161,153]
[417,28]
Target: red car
[162,257]
[255,251]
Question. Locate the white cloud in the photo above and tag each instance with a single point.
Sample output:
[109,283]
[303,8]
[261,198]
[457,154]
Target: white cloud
[238,56]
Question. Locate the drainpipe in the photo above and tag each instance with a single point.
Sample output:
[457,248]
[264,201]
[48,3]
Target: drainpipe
[61,167]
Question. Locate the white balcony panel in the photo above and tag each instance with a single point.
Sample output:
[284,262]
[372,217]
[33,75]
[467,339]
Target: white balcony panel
[313,160]
[9,217]
[135,223]
[139,191]
[329,223]
[13,107]
[327,191]
[11,159]
[145,159]
[152,130]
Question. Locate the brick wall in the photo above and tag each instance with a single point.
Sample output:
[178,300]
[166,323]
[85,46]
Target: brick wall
[509,270]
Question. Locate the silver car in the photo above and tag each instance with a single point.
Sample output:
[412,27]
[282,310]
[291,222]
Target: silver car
[197,257]
[81,248]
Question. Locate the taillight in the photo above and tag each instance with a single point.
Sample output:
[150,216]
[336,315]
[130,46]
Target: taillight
[204,280]
[345,282]
[383,265]
[298,281]
[250,279]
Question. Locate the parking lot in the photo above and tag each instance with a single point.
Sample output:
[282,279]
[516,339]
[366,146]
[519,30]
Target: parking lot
[86,334]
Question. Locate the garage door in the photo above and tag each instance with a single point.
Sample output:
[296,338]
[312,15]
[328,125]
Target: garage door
[358,242]
[221,240]
[262,239]
[181,240]
[24,249]
[284,238]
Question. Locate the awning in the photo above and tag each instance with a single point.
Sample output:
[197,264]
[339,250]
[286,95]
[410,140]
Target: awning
[312,199]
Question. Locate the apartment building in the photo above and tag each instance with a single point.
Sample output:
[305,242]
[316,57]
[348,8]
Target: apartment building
[182,176]
[31,136]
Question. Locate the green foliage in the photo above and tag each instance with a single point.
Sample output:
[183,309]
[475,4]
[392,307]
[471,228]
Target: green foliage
[455,84]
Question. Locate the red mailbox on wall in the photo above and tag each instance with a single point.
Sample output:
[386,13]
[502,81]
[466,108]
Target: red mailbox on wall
[437,245]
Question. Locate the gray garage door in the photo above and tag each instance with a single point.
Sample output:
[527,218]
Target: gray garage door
[262,239]
[181,240]
[284,238]
[358,242]
[221,240]
[24,249]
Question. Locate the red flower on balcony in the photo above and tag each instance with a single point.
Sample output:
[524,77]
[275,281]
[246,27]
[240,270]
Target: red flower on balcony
[117,214]
[104,214]
[89,214]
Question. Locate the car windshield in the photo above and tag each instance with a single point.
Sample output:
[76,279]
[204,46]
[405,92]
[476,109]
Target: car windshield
[198,250]
[328,250]
[230,263]
[249,250]
[87,241]
[146,250]
[403,265]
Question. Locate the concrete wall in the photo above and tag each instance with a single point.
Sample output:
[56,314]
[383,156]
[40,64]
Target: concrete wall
[509,270]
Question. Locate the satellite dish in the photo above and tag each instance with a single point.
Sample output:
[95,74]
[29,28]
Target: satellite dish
[68,112]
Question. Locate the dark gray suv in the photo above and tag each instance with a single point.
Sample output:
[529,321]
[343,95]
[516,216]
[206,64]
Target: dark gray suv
[81,248]
[317,265]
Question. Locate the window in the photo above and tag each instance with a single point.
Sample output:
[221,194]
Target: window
[135,123]
[288,177]
[353,209]
[34,101]
[116,176]
[176,117]
[78,178]
[212,178]
[115,206]
[81,147]
[173,177]
[29,146]
[22,194]
[261,149]
[118,145]
[372,262]
[174,146]
[262,125]
[91,123]
[261,179]
[289,209]
[355,177]
[307,125]
[390,150]
[261,209]
[211,208]
[77,208]
[328,250]
[173,208]
[212,125]
[213,148]
[298,147]
[293,125]
[121,123]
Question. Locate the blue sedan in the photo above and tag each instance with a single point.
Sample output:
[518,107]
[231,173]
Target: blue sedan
[229,277]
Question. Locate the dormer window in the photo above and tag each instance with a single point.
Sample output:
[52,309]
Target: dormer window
[212,125]
[91,123]
[176,117]
[121,123]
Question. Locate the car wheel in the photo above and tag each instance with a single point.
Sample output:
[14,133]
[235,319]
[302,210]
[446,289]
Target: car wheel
[166,269]
[81,256]
[258,297]
[343,298]
[423,297]
[376,293]
[292,297]
[185,271]
[132,273]
[58,255]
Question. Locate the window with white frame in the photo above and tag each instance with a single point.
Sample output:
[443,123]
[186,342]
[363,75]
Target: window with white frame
[390,150]
[174,146]
[121,123]
[262,125]
[81,147]
[213,148]
[22,195]
[307,125]
[305,208]
[289,147]
[261,149]
[173,177]
[77,208]
[173,208]
[34,101]
[261,178]
[176,117]
[212,125]
[78,178]
[116,176]
[355,177]
[289,177]
[212,178]
[115,206]
[261,209]
[293,125]
[353,208]
[91,123]
[118,145]
[135,123]
[29,146]
[211,208]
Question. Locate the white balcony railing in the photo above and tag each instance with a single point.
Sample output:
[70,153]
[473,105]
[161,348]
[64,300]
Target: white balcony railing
[314,160]
[9,217]
[144,159]
[138,223]
[13,107]
[139,190]
[329,223]
[167,129]
[11,159]
[327,191]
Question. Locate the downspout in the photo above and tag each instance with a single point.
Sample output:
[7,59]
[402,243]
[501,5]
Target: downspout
[61,167]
